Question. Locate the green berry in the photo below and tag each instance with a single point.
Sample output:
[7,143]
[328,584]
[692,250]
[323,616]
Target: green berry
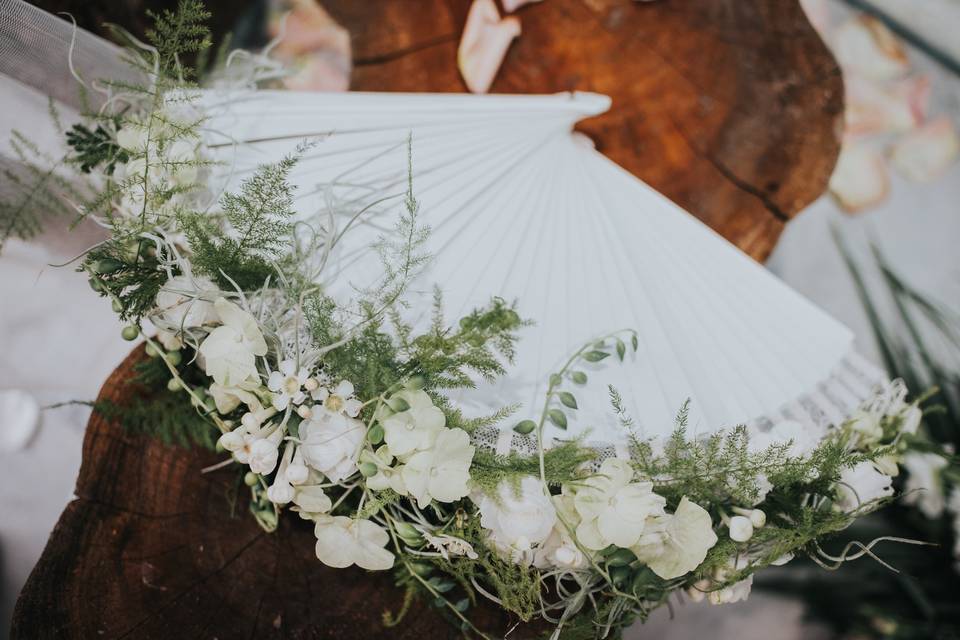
[250,479]
[174,357]
[130,332]
[173,384]
[151,350]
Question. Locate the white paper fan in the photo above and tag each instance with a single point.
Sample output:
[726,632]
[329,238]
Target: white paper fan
[520,207]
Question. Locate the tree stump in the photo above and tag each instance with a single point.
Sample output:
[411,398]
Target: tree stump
[729,107]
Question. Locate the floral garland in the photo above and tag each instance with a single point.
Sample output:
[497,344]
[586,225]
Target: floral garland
[337,412]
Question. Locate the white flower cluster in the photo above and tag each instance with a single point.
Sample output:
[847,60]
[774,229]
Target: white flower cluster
[606,509]
[421,457]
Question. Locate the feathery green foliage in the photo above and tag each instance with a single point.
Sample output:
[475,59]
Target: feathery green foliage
[258,220]
[176,34]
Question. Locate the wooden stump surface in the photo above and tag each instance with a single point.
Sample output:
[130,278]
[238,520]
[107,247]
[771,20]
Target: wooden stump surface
[731,108]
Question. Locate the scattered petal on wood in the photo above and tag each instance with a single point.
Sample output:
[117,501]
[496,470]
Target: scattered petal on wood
[925,153]
[818,13]
[860,177]
[20,416]
[512,5]
[866,46]
[484,44]
[314,45]
[875,108]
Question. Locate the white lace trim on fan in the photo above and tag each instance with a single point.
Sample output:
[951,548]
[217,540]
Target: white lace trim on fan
[853,382]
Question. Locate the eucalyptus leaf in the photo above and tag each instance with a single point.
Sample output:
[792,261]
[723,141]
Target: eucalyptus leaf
[621,349]
[579,377]
[555,379]
[595,356]
[524,427]
[634,342]
[568,399]
[558,418]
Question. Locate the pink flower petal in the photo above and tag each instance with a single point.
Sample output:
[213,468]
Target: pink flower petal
[483,44]
[860,178]
[315,46]
[512,5]
[874,108]
[925,153]
[864,45]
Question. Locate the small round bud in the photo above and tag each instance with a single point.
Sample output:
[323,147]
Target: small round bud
[250,479]
[398,404]
[311,384]
[151,350]
[305,412]
[173,384]
[741,529]
[130,332]
[174,357]
[249,421]
[367,469]
[375,435]
[117,306]
[756,516]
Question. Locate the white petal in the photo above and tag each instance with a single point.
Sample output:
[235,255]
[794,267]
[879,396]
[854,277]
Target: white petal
[275,381]
[336,547]
[287,367]
[483,44]
[19,418]
[352,407]
[925,153]
[866,46]
[860,178]
[617,531]
[344,389]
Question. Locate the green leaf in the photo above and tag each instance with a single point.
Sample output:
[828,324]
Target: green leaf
[621,349]
[555,379]
[558,418]
[568,400]
[634,342]
[579,377]
[595,356]
[524,427]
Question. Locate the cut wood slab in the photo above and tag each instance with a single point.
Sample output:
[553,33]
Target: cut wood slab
[732,108]
[151,548]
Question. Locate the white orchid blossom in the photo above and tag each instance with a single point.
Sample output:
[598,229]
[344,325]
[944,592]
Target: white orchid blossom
[343,541]
[415,428]
[443,472]
[518,519]
[924,485]
[331,444]
[231,349]
[676,544]
[861,484]
[613,509]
